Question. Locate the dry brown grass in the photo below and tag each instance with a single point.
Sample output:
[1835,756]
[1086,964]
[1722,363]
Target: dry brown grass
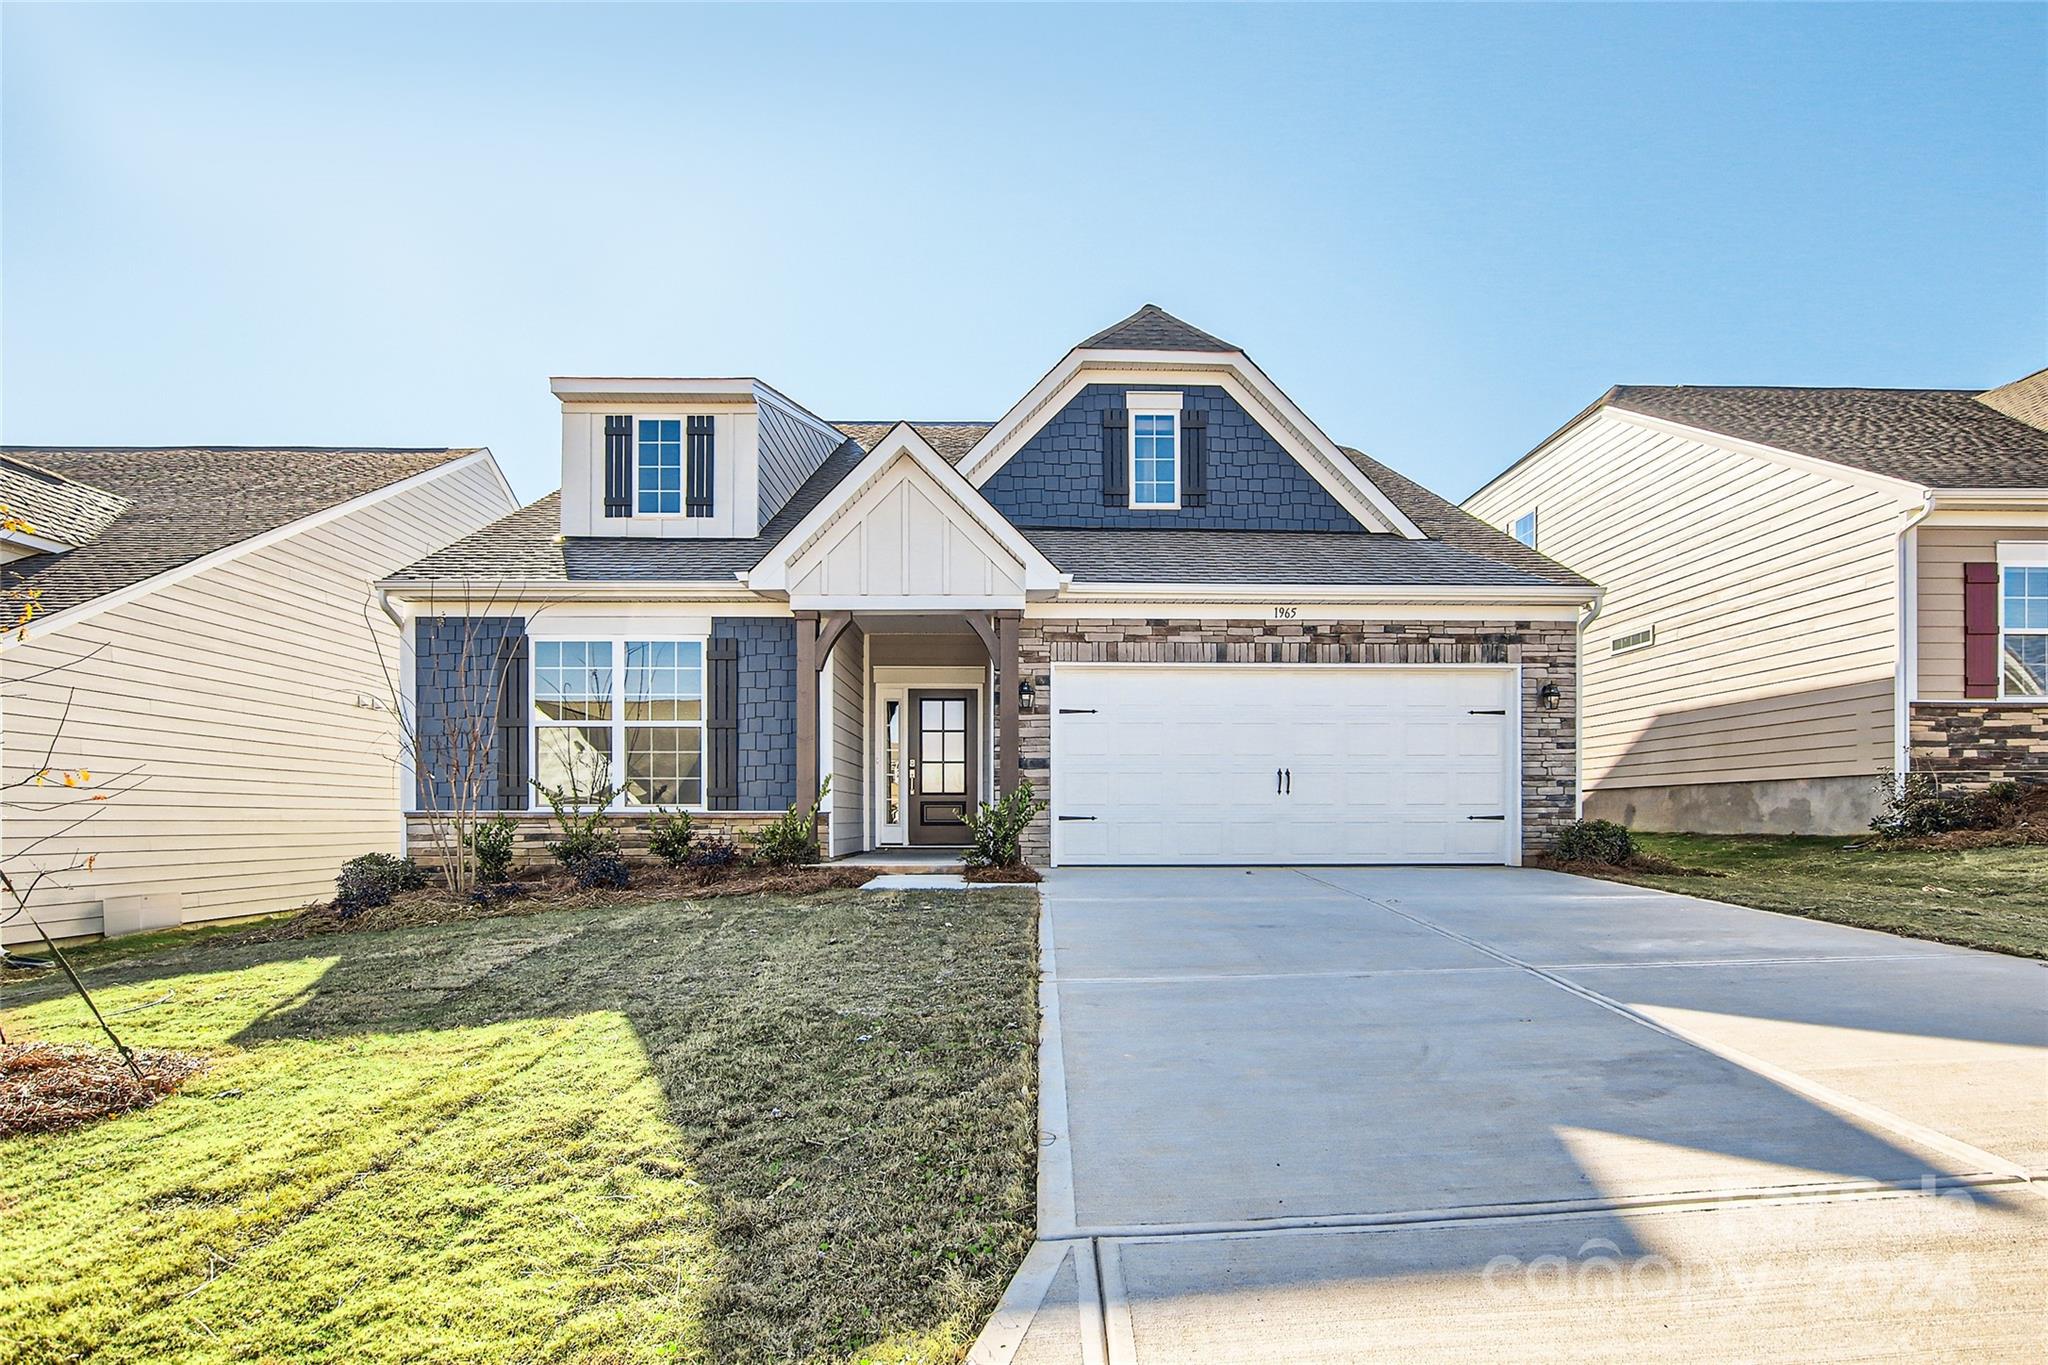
[45,1088]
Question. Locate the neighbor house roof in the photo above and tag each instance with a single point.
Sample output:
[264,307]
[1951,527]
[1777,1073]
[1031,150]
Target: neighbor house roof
[182,502]
[527,546]
[56,508]
[1939,438]
[1152,328]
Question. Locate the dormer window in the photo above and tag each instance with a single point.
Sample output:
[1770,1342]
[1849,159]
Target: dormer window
[1155,450]
[659,476]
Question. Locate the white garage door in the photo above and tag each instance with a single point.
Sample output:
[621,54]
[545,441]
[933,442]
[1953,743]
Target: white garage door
[1300,764]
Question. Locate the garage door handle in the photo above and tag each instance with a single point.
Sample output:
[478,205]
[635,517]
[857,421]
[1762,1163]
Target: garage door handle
[1290,781]
[1090,817]
[1486,713]
[1276,781]
[1486,817]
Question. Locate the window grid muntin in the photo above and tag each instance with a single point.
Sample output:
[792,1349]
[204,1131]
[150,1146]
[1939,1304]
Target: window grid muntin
[1523,528]
[1155,459]
[650,743]
[658,466]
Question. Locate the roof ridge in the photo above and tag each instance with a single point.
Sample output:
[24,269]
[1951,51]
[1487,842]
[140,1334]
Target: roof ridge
[1152,328]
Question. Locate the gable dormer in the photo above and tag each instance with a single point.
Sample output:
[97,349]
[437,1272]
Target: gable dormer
[682,458]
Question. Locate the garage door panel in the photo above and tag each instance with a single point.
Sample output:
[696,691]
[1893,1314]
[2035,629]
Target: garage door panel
[1178,764]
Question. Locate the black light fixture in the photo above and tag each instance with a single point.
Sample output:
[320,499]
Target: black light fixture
[1027,695]
[1548,696]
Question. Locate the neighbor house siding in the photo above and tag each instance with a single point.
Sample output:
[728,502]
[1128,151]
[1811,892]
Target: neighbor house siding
[1772,591]
[1942,551]
[1055,478]
[241,718]
[846,670]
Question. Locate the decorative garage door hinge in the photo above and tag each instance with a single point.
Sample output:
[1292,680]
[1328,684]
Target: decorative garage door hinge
[1486,713]
[1077,817]
[1486,817]
[1077,710]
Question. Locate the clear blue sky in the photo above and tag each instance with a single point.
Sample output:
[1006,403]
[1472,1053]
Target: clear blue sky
[1443,229]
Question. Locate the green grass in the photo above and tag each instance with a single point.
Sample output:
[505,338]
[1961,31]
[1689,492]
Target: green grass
[748,1129]
[1995,898]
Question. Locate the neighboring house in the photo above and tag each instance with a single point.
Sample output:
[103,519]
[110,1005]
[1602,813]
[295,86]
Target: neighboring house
[206,644]
[1154,588]
[1805,589]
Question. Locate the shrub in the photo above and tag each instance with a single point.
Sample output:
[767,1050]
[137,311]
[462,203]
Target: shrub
[603,869]
[712,855]
[1594,841]
[669,837]
[1915,805]
[491,844]
[583,822]
[373,879]
[792,840]
[996,830]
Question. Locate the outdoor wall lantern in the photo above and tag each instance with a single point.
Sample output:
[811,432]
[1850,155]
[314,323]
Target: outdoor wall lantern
[1548,696]
[1027,695]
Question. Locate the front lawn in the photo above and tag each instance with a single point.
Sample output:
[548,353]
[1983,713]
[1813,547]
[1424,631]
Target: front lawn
[1995,898]
[730,1130]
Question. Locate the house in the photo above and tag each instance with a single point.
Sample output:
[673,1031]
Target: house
[1805,589]
[1154,588]
[202,641]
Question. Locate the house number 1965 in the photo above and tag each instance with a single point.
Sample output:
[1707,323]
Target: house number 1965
[1286,613]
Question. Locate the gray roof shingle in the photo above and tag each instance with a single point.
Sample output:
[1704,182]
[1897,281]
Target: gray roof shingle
[183,502]
[1940,438]
[54,507]
[1340,558]
[1152,328]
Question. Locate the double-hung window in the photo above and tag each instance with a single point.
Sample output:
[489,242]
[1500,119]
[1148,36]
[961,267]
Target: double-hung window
[2023,620]
[1523,528]
[1155,449]
[659,469]
[628,714]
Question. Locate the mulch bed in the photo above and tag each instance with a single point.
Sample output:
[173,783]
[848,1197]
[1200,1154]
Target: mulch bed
[2022,823]
[46,1088]
[541,889]
[1004,876]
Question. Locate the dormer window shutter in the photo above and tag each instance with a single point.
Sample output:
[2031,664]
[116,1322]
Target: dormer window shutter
[1980,630]
[697,478]
[1194,457]
[1116,459]
[618,466]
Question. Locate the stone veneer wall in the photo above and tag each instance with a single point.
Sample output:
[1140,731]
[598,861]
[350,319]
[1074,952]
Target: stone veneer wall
[533,831]
[1973,744]
[1547,651]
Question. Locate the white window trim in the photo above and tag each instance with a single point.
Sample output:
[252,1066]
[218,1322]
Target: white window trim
[1146,403]
[2016,554]
[1535,527]
[681,513]
[617,723]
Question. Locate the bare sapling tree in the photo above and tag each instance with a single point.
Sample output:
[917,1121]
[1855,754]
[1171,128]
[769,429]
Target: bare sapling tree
[45,787]
[455,745]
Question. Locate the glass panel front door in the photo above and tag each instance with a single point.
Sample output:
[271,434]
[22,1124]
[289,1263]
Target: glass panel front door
[942,766]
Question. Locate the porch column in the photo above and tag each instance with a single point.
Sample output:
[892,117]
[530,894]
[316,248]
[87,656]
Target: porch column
[806,708]
[1009,672]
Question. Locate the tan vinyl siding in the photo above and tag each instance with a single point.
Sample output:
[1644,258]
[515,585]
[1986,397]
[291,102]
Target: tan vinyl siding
[236,699]
[1771,588]
[1941,553]
[845,671]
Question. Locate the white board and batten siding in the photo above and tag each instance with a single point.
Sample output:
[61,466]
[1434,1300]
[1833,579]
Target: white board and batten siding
[1771,588]
[245,704]
[904,538]
[1315,763]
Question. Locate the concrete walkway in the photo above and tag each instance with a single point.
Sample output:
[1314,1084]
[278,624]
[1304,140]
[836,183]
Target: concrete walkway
[1348,1114]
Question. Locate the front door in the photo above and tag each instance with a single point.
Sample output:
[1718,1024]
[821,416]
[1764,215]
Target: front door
[943,766]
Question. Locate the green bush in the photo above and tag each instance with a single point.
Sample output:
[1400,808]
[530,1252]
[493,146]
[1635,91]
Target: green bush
[373,879]
[491,845]
[583,823]
[713,855]
[996,830]
[603,869]
[792,840]
[669,837]
[1594,841]
[1915,805]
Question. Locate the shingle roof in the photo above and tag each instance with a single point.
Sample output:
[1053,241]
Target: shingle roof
[55,508]
[1442,520]
[951,439]
[1942,438]
[1345,558]
[1152,328]
[183,502]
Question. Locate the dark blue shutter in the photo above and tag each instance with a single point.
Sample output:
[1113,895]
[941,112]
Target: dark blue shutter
[697,484]
[512,714]
[1194,457]
[618,466]
[1116,460]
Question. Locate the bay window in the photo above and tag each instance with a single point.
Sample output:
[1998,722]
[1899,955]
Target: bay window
[628,714]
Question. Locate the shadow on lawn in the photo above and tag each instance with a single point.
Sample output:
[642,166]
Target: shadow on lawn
[850,1079]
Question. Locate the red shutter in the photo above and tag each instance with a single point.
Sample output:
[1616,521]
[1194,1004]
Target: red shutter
[1980,630]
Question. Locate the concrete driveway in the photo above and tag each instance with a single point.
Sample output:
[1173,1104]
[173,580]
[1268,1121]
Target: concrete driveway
[1339,1114]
